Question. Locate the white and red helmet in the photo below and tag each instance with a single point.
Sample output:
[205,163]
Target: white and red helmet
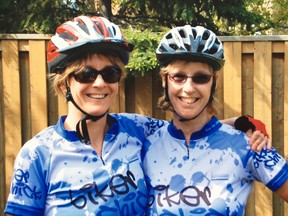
[193,44]
[83,35]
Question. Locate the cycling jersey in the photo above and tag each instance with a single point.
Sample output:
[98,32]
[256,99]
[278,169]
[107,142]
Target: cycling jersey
[56,174]
[213,176]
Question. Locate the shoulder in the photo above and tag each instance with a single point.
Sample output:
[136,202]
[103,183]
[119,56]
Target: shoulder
[139,122]
[137,118]
[41,145]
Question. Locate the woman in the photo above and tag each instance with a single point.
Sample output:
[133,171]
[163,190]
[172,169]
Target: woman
[206,167]
[89,162]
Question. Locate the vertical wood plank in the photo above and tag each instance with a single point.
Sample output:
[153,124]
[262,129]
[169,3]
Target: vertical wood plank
[262,110]
[157,92]
[143,89]
[130,94]
[247,108]
[232,92]
[38,86]
[247,84]
[12,107]
[2,143]
[286,111]
[277,118]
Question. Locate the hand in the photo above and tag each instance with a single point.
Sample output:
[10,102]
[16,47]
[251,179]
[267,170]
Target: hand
[256,130]
[258,140]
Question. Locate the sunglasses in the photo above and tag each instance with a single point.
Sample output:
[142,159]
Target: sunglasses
[199,78]
[111,74]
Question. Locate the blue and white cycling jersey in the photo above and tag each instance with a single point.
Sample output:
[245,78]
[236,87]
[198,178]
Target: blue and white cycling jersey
[213,176]
[56,174]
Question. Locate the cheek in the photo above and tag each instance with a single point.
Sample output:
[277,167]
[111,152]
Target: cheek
[115,88]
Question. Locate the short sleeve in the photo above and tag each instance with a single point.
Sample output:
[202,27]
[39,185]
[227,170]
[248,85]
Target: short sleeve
[28,187]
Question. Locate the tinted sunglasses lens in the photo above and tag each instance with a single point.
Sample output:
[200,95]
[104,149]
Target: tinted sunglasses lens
[201,78]
[86,76]
[111,74]
[178,78]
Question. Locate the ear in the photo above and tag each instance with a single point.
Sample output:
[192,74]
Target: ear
[163,80]
[216,79]
[63,88]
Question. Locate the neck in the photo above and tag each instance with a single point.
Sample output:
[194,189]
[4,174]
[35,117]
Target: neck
[191,126]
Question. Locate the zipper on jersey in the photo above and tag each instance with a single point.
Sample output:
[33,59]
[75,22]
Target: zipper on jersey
[188,149]
[103,162]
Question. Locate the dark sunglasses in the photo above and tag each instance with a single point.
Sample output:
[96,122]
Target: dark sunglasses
[111,74]
[199,78]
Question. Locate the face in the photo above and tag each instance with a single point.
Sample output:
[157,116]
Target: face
[189,88]
[94,97]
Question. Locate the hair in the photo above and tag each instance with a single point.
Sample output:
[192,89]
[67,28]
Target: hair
[165,105]
[60,78]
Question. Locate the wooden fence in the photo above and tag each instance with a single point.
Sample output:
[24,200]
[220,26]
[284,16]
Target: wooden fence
[254,81]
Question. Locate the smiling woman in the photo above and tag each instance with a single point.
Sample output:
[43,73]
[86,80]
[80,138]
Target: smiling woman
[206,167]
[89,162]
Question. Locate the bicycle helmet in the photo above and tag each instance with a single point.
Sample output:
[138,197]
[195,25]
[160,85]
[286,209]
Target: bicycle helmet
[82,35]
[192,44]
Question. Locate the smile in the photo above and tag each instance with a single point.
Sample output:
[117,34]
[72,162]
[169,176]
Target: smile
[97,96]
[188,100]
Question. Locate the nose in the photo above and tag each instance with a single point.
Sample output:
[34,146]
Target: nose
[99,81]
[188,86]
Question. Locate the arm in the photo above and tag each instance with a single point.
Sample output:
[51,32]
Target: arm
[254,129]
[283,191]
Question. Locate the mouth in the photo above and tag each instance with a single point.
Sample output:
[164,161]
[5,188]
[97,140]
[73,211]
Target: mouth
[97,96]
[188,100]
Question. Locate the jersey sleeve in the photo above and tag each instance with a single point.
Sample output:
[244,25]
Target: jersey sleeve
[143,124]
[270,168]
[28,186]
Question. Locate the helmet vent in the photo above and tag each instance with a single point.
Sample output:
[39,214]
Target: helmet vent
[194,33]
[67,36]
[83,27]
[187,46]
[217,41]
[206,35]
[99,28]
[169,36]
[182,33]
[114,30]
[173,46]
[213,50]
[200,48]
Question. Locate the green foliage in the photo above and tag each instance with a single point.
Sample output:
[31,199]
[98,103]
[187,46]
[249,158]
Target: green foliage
[143,58]
[145,21]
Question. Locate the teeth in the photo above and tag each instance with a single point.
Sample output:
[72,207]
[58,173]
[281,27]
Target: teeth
[98,96]
[189,100]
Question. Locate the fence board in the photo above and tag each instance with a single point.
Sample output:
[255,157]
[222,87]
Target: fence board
[38,88]
[285,111]
[12,108]
[232,79]
[2,147]
[277,117]
[262,102]
[143,99]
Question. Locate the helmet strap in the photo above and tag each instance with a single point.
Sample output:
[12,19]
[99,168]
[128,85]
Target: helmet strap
[166,89]
[81,127]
